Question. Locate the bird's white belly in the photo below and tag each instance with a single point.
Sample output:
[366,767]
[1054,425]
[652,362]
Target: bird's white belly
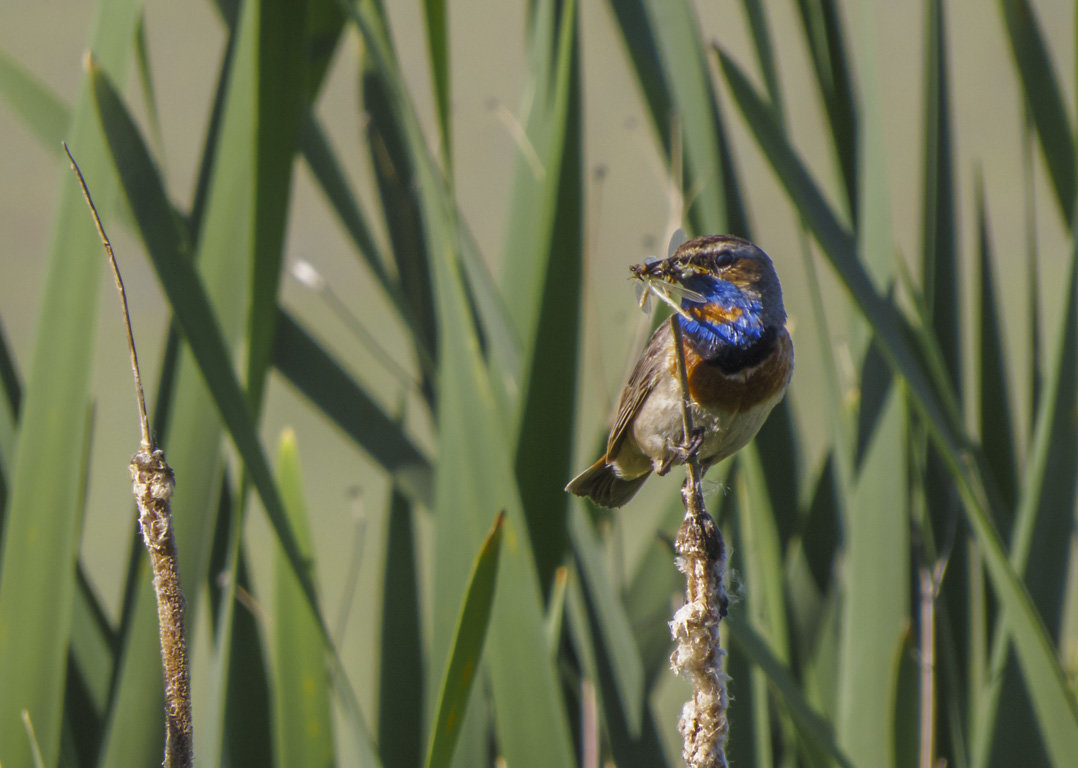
[657,429]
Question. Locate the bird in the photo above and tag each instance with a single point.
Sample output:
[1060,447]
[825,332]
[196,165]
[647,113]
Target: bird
[739,360]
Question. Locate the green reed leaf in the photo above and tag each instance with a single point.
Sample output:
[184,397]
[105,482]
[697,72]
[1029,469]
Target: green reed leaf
[42,526]
[401,684]
[1044,99]
[543,277]
[192,307]
[44,113]
[303,721]
[323,381]
[466,649]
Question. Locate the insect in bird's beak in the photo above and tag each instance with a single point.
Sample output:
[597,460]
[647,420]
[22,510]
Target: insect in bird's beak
[659,280]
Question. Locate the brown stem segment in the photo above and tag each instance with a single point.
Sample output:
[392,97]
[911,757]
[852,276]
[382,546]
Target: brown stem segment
[153,482]
[695,626]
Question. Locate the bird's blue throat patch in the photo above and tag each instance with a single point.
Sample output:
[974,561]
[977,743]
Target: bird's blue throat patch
[730,325]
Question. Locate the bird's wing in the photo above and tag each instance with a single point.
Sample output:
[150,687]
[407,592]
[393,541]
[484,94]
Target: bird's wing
[646,373]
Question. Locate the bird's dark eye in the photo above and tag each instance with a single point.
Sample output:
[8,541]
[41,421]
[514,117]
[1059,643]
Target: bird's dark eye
[724,259]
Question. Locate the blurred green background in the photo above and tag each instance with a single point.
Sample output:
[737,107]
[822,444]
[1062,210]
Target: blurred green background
[628,204]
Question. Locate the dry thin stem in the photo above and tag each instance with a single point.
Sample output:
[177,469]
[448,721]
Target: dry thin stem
[695,626]
[153,482]
[930,579]
[589,725]
[144,422]
[930,571]
[31,735]
[306,275]
[928,643]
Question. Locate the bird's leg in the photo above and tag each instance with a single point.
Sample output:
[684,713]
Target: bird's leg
[679,454]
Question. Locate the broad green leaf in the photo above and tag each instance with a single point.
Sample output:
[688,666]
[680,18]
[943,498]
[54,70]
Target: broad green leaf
[10,405]
[543,278]
[326,167]
[996,423]
[473,476]
[611,629]
[760,558]
[47,117]
[647,597]
[756,15]
[812,726]
[246,706]
[145,77]
[303,719]
[1044,99]
[1035,338]
[873,222]
[941,278]
[1047,685]
[1035,651]
[206,180]
[189,300]
[827,43]
[778,445]
[876,527]
[193,310]
[822,530]
[92,658]
[663,39]
[778,441]
[393,127]
[644,54]
[324,29]
[401,683]
[832,233]
[537,174]
[280,107]
[634,744]
[466,649]
[331,389]
[10,382]
[876,600]
[395,173]
[1048,485]
[1039,547]
[247,712]
[193,437]
[909,705]
[277,64]
[91,655]
[42,526]
[436,17]
[959,678]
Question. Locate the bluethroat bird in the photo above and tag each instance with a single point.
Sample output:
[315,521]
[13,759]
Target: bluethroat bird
[738,361]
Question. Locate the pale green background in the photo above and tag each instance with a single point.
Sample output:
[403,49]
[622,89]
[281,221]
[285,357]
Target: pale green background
[628,218]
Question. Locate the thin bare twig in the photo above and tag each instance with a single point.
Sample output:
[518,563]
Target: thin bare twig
[153,481]
[930,578]
[928,666]
[144,422]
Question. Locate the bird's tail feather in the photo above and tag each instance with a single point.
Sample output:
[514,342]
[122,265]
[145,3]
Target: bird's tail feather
[601,484]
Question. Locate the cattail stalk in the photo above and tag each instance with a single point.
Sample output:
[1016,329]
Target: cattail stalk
[153,481]
[701,556]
